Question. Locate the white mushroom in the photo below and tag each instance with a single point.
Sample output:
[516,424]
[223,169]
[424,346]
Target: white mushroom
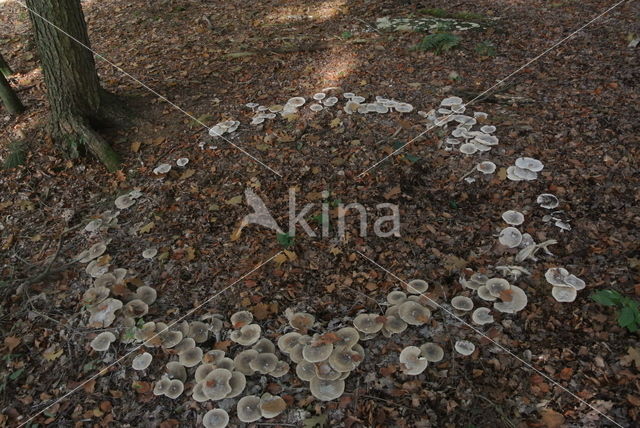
[482,316]
[486,167]
[564,294]
[514,218]
[162,169]
[216,418]
[462,303]
[411,361]
[547,201]
[248,409]
[326,390]
[102,341]
[142,361]
[464,347]
[530,164]
[517,303]
[510,237]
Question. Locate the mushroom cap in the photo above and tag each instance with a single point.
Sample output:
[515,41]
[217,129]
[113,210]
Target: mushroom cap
[348,336]
[176,370]
[287,341]
[486,167]
[413,313]
[556,276]
[514,218]
[185,344]
[199,331]
[149,253]
[135,308]
[468,148]
[264,363]
[216,385]
[215,418]
[344,359]
[482,316]
[163,168]
[564,294]
[300,320]
[170,338]
[368,323]
[432,352]
[161,386]
[451,101]
[524,174]
[417,286]
[464,347]
[248,409]
[517,303]
[142,361]
[102,341]
[175,389]
[271,406]
[511,175]
[124,201]
[247,335]
[264,345]
[317,350]
[575,282]
[147,294]
[106,280]
[213,357]
[241,318]
[510,237]
[394,324]
[484,294]
[182,162]
[103,314]
[202,371]
[190,357]
[462,303]
[197,394]
[396,297]
[282,368]
[305,370]
[529,163]
[296,102]
[548,201]
[225,363]
[326,390]
[243,359]
[323,370]
[411,361]
[95,295]
[237,382]
[488,129]
[497,286]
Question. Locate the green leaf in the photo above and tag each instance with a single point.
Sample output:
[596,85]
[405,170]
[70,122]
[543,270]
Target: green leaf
[15,375]
[626,317]
[607,297]
[285,239]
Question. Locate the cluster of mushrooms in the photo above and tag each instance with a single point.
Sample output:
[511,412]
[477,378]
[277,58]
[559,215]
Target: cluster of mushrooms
[550,202]
[423,24]
[565,285]
[506,297]
[524,169]
[164,168]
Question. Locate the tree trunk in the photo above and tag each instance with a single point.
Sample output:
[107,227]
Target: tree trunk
[8,97]
[5,70]
[78,103]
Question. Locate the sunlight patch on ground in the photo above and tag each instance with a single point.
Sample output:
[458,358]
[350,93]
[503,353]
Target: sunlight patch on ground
[340,66]
[318,13]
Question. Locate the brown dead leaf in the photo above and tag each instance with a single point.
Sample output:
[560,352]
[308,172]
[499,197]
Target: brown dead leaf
[551,418]
[12,342]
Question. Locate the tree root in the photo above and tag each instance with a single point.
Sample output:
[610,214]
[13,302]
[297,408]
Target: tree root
[78,137]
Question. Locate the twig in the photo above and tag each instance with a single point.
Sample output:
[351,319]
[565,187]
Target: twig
[468,173]
[368,25]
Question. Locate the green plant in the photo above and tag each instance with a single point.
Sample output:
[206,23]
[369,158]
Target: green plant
[438,43]
[285,239]
[346,34]
[486,49]
[628,312]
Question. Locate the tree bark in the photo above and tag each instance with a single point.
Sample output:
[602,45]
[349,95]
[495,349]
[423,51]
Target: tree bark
[78,103]
[9,97]
[5,70]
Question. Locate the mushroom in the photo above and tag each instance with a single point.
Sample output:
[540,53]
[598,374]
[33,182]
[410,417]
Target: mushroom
[556,276]
[213,357]
[413,313]
[161,386]
[451,101]
[295,102]
[185,344]
[247,335]
[484,294]
[123,202]
[345,359]
[102,341]
[248,409]
[215,418]
[488,129]
[264,363]
[225,363]
[282,368]
[432,352]
[548,201]
[317,350]
[176,387]
[287,341]
[348,336]
[243,359]
[199,331]
[517,303]
[316,107]
[468,148]
[147,294]
[240,319]
[237,382]
[305,370]
[510,237]
[464,347]
[103,314]
[514,218]
[190,357]
[197,394]
[300,320]
[417,286]
[176,370]
[135,308]
[524,174]
[264,345]
[95,295]
[486,167]
[182,162]
[163,168]
[462,303]
[482,316]
[496,286]
[411,361]
[95,251]
[326,390]
[530,164]
[511,175]
[396,297]
[368,323]
[149,253]
[271,406]
[106,280]
[575,282]
[564,294]
[170,338]
[216,385]
[202,371]
[142,361]
[393,325]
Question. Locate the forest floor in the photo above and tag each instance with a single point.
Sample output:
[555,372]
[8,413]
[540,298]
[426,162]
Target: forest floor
[576,109]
